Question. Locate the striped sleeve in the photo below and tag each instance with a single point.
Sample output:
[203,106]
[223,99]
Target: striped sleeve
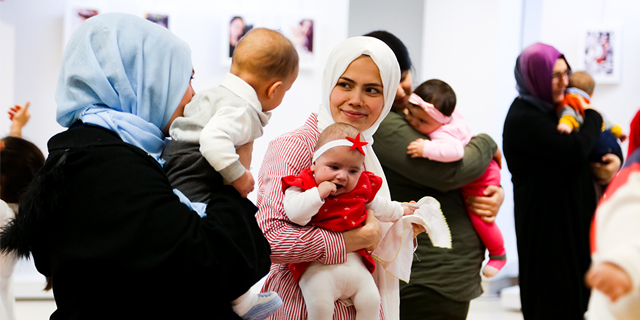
[288,155]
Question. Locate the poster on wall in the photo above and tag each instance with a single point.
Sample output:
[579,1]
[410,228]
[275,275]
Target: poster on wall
[236,26]
[76,14]
[158,18]
[300,29]
[602,54]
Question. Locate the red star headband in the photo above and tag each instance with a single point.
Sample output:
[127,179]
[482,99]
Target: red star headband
[353,143]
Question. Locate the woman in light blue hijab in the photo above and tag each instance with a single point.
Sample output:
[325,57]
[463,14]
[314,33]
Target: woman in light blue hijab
[101,219]
[126,76]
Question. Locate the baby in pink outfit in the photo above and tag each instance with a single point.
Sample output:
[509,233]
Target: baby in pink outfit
[432,112]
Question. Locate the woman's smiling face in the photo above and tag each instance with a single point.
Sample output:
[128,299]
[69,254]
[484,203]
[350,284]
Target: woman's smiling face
[357,98]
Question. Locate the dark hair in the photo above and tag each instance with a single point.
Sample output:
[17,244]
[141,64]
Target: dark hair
[19,162]
[438,93]
[396,45]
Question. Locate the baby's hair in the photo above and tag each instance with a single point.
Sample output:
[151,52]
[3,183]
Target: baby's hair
[266,54]
[19,160]
[582,81]
[336,131]
[438,93]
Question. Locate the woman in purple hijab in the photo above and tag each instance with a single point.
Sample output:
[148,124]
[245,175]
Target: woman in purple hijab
[553,183]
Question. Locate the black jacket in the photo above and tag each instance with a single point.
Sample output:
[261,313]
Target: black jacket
[554,201]
[102,220]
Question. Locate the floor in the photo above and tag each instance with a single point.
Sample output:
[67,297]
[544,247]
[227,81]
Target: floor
[483,308]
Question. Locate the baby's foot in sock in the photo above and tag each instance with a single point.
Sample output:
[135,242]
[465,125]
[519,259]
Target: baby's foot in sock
[494,266]
[263,305]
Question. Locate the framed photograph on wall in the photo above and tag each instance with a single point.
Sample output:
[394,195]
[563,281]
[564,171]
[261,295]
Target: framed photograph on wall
[158,18]
[236,24]
[601,53]
[76,14]
[302,30]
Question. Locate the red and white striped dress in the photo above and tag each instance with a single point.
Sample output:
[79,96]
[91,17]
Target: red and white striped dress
[288,155]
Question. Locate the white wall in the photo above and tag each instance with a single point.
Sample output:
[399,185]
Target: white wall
[37,28]
[7,38]
[402,18]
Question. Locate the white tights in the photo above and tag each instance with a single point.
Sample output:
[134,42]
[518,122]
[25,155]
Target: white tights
[322,285]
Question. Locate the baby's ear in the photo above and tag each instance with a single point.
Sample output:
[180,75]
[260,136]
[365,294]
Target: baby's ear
[271,90]
[313,166]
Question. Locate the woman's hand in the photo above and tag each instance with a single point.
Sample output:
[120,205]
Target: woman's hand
[19,117]
[610,279]
[417,229]
[604,172]
[487,206]
[498,157]
[366,237]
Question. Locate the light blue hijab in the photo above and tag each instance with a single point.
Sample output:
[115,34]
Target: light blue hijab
[126,74]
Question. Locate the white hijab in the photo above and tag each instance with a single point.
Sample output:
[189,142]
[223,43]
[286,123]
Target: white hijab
[338,62]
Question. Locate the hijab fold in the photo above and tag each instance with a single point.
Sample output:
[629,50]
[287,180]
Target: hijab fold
[125,74]
[534,74]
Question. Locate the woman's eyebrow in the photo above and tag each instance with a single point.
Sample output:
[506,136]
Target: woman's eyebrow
[372,84]
[346,79]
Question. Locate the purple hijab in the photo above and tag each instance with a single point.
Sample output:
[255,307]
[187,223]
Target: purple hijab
[534,69]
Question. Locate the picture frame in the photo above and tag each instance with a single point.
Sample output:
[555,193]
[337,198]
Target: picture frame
[159,18]
[302,30]
[601,53]
[236,24]
[76,13]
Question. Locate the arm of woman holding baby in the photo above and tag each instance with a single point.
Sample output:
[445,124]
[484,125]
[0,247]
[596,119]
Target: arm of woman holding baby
[395,134]
[290,243]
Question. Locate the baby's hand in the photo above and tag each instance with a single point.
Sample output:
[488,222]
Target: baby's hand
[408,210]
[564,128]
[244,184]
[609,279]
[415,148]
[622,137]
[326,188]
[20,114]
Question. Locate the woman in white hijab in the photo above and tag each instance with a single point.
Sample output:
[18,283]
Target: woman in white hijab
[358,87]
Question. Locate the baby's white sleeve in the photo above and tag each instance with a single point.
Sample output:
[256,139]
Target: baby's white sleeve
[386,210]
[300,206]
[229,128]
